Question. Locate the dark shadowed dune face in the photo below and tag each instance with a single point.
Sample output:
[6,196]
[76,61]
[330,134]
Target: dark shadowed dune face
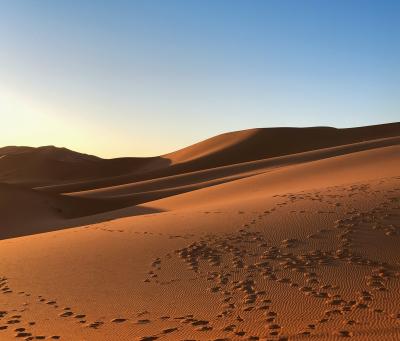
[42,166]
[25,211]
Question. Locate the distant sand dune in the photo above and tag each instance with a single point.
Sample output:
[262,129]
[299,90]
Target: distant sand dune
[32,167]
[237,147]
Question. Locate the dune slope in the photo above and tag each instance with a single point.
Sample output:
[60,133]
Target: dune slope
[298,246]
[25,211]
[238,147]
[307,251]
[181,183]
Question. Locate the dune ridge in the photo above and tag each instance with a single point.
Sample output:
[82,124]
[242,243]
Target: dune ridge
[203,177]
[238,147]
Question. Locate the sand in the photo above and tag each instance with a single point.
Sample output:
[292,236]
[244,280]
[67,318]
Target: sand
[297,246]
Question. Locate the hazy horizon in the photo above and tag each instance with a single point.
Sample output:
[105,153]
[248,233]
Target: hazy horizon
[139,78]
[170,151]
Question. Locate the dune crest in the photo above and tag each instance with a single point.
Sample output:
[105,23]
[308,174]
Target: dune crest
[237,147]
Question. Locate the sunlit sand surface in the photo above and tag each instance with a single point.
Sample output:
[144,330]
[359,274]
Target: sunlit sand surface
[240,237]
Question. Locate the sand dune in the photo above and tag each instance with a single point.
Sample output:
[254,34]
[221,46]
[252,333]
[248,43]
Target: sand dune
[254,144]
[338,170]
[205,178]
[238,147]
[42,166]
[299,242]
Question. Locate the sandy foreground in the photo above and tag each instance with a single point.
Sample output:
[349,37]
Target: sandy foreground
[306,248]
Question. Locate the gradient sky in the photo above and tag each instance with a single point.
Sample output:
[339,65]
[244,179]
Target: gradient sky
[138,78]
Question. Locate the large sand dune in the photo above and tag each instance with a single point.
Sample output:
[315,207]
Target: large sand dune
[205,178]
[253,235]
[237,147]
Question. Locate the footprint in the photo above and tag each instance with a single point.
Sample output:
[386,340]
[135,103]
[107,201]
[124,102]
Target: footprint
[95,324]
[23,334]
[169,330]
[118,320]
[66,314]
[344,333]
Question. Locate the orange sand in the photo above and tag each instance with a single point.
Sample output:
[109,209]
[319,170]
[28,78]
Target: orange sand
[291,243]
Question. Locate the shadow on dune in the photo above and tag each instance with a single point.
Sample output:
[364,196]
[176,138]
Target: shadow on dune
[51,219]
[237,147]
[26,211]
[171,185]
[49,165]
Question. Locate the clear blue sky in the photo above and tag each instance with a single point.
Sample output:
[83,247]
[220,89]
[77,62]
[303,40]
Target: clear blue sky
[147,77]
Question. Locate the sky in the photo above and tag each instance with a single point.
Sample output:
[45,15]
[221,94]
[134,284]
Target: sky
[143,78]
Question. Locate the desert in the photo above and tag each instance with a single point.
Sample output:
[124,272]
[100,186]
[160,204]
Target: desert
[200,170]
[303,245]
